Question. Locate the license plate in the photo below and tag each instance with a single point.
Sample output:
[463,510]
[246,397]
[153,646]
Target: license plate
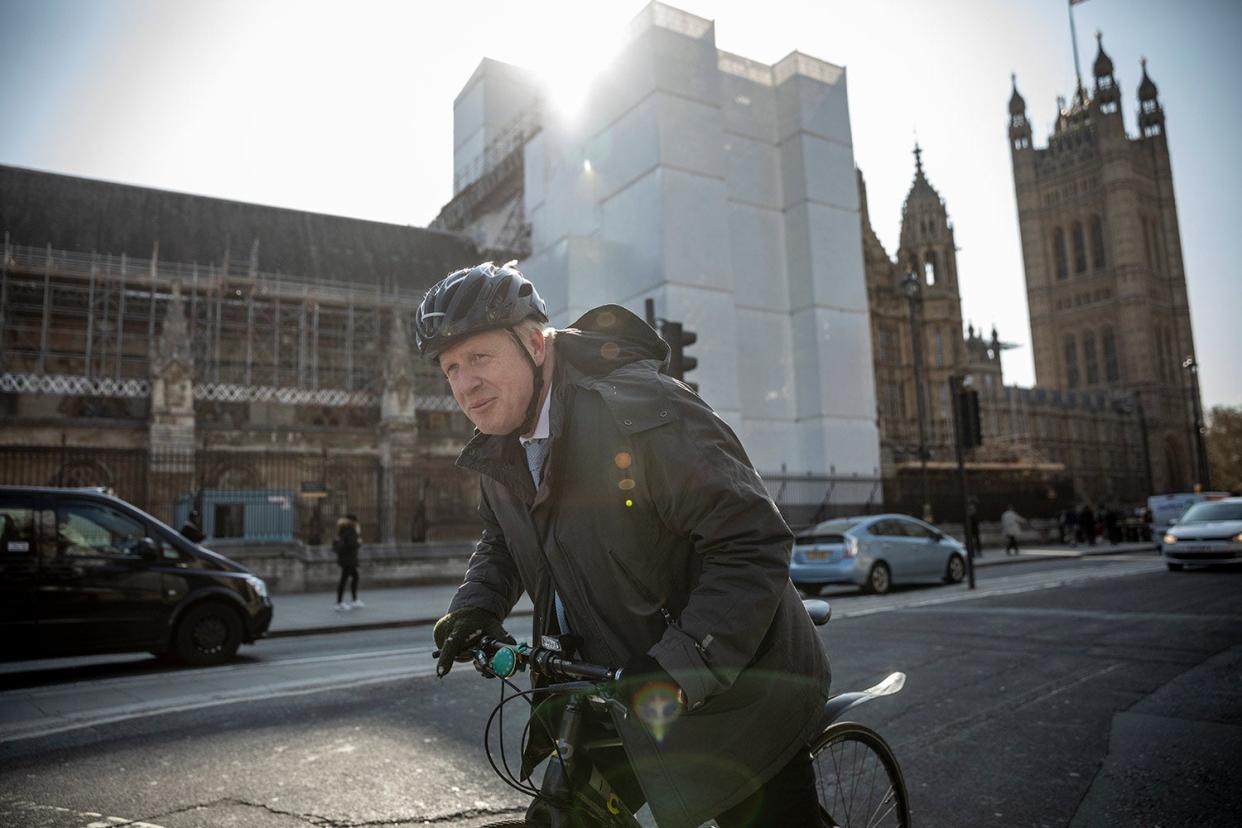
[818,555]
[1193,547]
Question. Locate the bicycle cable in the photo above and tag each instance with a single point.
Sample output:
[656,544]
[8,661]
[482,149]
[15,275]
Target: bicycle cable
[497,716]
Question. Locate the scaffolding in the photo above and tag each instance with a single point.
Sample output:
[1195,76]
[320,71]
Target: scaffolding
[85,324]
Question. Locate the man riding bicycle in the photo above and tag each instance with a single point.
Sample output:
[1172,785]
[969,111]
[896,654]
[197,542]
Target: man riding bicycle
[630,513]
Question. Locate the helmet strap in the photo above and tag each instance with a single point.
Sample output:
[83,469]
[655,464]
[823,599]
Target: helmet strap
[532,409]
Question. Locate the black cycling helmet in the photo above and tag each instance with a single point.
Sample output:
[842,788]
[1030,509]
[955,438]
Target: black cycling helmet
[472,300]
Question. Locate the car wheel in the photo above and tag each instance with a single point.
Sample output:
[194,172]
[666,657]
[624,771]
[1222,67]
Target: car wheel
[954,570]
[810,590]
[208,634]
[879,581]
[1174,567]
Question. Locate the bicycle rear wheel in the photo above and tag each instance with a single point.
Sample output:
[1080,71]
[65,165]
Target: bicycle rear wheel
[858,780]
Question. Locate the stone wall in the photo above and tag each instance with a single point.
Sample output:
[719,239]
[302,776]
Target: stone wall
[296,567]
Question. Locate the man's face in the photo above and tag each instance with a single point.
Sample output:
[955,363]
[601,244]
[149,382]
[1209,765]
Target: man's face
[491,379]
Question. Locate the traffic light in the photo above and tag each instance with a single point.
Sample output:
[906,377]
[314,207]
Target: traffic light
[678,339]
[971,430]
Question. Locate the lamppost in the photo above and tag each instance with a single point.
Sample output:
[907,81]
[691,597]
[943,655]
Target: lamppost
[914,293]
[1201,461]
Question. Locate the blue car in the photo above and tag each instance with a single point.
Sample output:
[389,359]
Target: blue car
[874,552]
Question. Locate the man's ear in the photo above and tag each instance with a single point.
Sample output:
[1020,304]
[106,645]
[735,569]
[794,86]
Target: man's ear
[538,344]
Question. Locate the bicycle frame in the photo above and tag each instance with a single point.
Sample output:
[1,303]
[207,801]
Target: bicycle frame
[571,777]
[573,793]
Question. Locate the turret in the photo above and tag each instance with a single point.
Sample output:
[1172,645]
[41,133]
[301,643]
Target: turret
[1107,93]
[927,247]
[1019,126]
[1151,115]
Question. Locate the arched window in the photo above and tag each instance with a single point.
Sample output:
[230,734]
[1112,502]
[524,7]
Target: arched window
[1071,362]
[1097,242]
[1058,249]
[1111,374]
[1088,357]
[1080,248]
[929,267]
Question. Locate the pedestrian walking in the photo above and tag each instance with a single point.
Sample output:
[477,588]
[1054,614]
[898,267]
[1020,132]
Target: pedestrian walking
[1086,523]
[1112,525]
[1068,525]
[1011,526]
[191,528]
[348,540]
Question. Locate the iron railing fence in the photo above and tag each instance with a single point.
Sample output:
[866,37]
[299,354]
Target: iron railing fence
[252,497]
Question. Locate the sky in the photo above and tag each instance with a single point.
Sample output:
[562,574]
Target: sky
[346,108]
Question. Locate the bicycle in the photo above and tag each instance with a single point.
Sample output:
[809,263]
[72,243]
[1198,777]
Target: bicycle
[858,780]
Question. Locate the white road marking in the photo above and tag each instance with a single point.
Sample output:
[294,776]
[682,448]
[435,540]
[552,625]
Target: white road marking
[107,822]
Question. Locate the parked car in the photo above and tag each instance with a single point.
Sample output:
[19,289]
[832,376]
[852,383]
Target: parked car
[82,572]
[1208,533]
[875,552]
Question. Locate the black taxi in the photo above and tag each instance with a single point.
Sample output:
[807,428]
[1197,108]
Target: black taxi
[82,572]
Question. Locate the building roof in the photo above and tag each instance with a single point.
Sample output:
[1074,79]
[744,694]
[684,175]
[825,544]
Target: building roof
[86,215]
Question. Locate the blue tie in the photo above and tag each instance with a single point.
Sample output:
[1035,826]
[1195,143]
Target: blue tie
[536,454]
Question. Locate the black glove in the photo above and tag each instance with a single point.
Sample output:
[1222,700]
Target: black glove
[650,693]
[462,629]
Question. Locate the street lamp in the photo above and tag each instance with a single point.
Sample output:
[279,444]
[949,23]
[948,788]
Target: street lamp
[914,293]
[1201,461]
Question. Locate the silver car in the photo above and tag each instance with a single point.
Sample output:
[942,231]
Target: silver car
[874,552]
[1209,533]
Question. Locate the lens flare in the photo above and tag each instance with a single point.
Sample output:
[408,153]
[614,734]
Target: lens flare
[656,706]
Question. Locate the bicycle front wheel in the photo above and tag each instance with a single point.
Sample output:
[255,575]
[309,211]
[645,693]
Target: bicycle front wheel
[858,780]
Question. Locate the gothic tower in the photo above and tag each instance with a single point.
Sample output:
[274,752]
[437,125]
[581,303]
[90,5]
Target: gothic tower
[1101,247]
[927,250]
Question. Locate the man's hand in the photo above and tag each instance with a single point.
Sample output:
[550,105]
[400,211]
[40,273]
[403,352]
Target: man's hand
[462,629]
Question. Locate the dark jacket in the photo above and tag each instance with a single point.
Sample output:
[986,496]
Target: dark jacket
[348,539]
[660,537]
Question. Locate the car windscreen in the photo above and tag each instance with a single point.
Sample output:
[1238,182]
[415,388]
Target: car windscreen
[1211,512]
[816,540]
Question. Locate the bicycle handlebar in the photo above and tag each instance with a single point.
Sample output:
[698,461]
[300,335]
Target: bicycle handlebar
[506,660]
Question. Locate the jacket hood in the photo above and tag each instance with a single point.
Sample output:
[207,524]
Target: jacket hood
[605,338]
[341,523]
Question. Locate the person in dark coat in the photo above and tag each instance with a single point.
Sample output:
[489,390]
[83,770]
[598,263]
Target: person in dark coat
[348,541]
[191,528]
[630,513]
[1069,526]
[1086,524]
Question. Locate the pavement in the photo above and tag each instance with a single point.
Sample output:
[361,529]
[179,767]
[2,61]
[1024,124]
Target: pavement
[312,613]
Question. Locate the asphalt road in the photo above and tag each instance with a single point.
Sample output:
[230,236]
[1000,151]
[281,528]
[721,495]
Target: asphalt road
[1048,697]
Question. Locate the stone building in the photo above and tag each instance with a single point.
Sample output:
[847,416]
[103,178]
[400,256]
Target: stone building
[1076,445]
[1102,251]
[189,351]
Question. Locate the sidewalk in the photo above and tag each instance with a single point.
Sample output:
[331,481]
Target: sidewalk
[312,613]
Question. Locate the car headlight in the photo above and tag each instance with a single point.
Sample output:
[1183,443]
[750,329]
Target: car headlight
[1237,538]
[1170,539]
[257,584]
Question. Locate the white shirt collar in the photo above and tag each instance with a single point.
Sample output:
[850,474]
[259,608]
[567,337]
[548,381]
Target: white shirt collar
[543,428]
